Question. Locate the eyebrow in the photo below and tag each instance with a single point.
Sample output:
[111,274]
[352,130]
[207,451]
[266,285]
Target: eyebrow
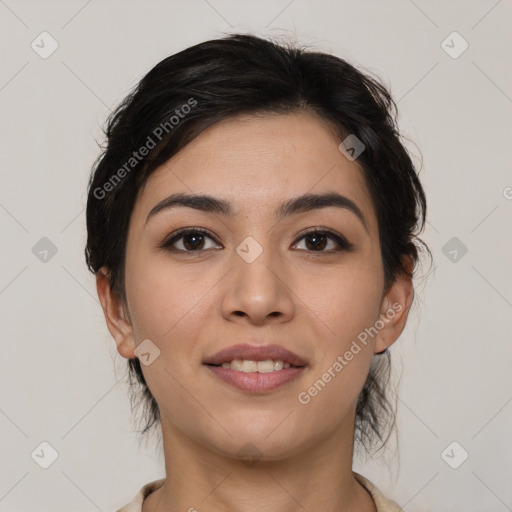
[300,204]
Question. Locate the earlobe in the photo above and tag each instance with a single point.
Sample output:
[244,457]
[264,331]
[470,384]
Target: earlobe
[395,309]
[118,322]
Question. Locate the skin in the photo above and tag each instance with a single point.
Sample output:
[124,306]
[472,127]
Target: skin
[193,304]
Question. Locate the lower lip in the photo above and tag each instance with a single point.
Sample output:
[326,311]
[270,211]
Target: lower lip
[255,382]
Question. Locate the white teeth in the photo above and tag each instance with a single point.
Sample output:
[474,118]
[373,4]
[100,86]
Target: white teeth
[236,364]
[278,365]
[266,366]
[248,366]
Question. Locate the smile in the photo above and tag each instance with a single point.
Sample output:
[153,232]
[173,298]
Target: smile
[248,366]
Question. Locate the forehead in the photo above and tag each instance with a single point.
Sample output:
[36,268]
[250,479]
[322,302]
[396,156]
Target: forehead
[254,161]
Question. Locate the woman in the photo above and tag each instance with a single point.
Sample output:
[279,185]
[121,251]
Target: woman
[253,227]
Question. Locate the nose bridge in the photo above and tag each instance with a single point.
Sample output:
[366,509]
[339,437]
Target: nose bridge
[256,263]
[256,284]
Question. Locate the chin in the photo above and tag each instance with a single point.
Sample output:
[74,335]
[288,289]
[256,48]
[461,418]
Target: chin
[268,439]
[251,450]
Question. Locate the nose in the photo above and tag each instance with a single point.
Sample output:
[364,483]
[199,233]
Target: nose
[257,292]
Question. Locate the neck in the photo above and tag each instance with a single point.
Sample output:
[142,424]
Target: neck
[318,478]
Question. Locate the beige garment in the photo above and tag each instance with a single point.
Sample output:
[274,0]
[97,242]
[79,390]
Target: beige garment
[381,502]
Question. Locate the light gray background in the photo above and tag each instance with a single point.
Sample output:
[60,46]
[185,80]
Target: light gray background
[61,379]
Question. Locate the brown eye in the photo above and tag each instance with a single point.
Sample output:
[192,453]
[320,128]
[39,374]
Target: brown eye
[188,240]
[321,240]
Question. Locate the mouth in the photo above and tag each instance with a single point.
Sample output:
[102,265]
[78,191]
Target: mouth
[249,366]
[256,369]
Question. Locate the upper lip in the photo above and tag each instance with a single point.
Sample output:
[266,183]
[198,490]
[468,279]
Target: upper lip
[255,353]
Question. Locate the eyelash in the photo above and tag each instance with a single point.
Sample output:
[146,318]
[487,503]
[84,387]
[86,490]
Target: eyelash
[341,241]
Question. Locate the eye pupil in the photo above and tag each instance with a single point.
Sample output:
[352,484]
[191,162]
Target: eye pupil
[318,244]
[193,236]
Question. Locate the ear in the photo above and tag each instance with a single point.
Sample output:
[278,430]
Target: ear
[395,307]
[117,319]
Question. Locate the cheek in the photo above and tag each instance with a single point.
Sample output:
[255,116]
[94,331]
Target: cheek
[169,307]
[164,298]
[347,309]
[342,301]
[342,358]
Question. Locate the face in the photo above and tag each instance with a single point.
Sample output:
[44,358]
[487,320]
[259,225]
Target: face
[307,279]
